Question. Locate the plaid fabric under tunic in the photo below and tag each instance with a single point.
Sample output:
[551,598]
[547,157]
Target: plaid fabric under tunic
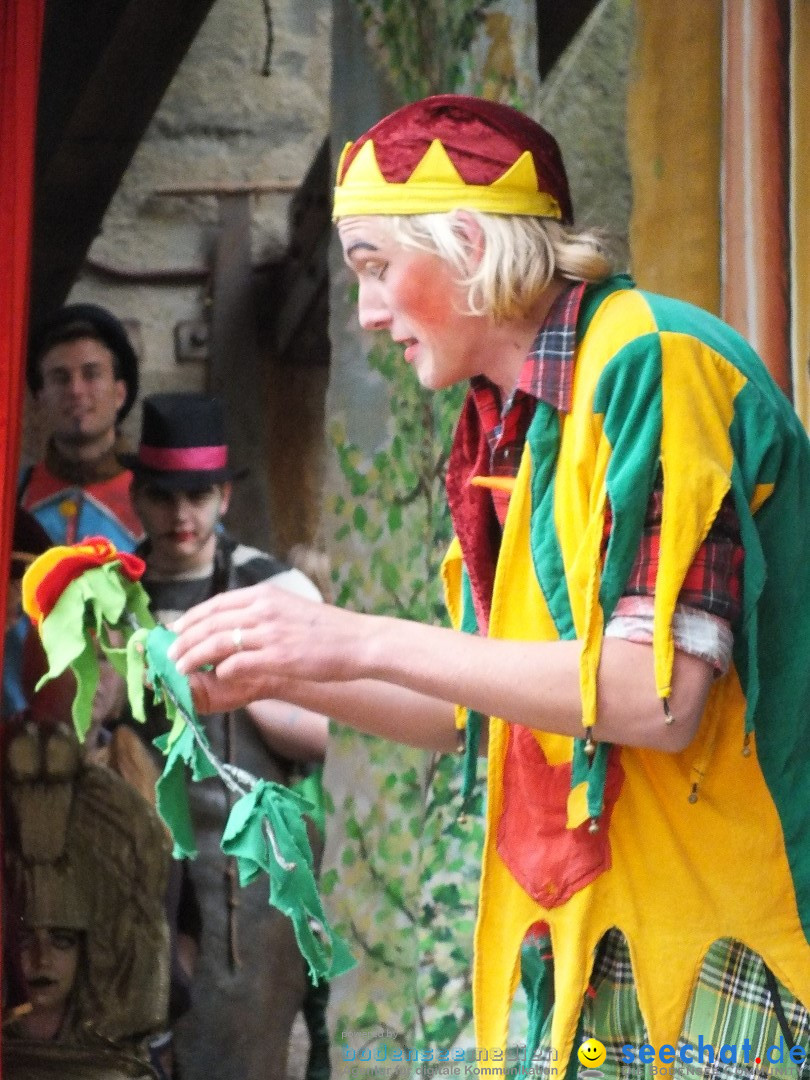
[732,1001]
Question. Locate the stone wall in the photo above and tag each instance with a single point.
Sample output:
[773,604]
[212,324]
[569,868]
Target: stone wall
[222,124]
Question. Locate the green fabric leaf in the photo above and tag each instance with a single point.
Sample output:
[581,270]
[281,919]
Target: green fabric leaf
[174,688]
[310,788]
[172,796]
[63,632]
[290,869]
[185,746]
[97,600]
[137,605]
[136,673]
[101,601]
[86,669]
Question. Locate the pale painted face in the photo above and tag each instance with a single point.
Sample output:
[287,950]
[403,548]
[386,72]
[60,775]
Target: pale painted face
[49,957]
[413,296]
[180,525]
[80,395]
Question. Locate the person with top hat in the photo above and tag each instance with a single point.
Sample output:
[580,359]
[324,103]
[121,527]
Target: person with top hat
[83,374]
[630,589]
[249,979]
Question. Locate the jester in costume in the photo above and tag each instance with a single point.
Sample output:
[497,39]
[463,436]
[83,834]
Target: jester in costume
[630,591]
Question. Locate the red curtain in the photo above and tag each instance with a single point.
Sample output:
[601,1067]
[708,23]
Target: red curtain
[20,36]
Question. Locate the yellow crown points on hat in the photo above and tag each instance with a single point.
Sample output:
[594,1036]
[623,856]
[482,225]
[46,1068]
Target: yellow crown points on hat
[436,186]
[436,168]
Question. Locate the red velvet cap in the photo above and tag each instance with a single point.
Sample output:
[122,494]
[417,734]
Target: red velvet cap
[483,139]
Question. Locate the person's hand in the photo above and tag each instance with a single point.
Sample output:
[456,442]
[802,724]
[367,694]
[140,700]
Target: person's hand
[261,640]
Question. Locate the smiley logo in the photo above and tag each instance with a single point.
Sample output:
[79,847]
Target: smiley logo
[591,1054]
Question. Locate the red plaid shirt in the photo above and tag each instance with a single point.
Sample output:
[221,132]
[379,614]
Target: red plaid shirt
[714,581]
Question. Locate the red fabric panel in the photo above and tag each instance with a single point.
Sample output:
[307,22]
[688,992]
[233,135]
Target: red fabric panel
[20,37]
[549,860]
[471,509]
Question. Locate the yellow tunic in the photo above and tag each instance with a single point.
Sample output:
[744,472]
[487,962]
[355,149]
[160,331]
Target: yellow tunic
[658,381]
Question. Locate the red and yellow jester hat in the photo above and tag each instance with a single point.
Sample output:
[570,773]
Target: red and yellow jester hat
[451,152]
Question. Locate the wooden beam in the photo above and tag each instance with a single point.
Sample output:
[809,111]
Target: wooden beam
[557,25]
[106,66]
[756,165]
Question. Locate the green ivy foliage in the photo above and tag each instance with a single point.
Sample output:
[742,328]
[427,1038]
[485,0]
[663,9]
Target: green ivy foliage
[409,861]
[407,883]
[423,45]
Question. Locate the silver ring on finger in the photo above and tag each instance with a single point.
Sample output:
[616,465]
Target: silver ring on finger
[236,636]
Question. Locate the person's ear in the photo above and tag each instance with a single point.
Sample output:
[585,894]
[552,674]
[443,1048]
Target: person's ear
[225,498]
[120,393]
[136,498]
[469,229]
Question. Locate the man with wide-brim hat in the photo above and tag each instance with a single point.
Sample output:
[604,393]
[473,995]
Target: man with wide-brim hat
[83,374]
[249,981]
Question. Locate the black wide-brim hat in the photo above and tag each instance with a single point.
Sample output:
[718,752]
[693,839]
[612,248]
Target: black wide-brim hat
[106,328]
[183,445]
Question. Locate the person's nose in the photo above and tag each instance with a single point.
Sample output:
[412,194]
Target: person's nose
[75,384]
[40,948]
[372,310]
[181,505]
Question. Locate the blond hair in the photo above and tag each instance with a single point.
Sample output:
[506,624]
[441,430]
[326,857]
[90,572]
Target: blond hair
[521,256]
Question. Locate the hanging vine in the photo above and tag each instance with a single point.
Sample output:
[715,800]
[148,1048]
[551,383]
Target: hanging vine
[407,853]
[422,46]
[269,38]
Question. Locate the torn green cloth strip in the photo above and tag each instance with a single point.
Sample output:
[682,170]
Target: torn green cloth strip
[286,858]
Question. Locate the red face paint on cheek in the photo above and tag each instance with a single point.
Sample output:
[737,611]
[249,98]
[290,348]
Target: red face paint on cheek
[423,291]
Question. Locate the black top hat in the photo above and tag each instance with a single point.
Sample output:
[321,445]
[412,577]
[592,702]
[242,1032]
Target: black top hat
[182,443]
[66,325]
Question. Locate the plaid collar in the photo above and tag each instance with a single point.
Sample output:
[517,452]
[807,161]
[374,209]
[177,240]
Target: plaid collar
[548,370]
